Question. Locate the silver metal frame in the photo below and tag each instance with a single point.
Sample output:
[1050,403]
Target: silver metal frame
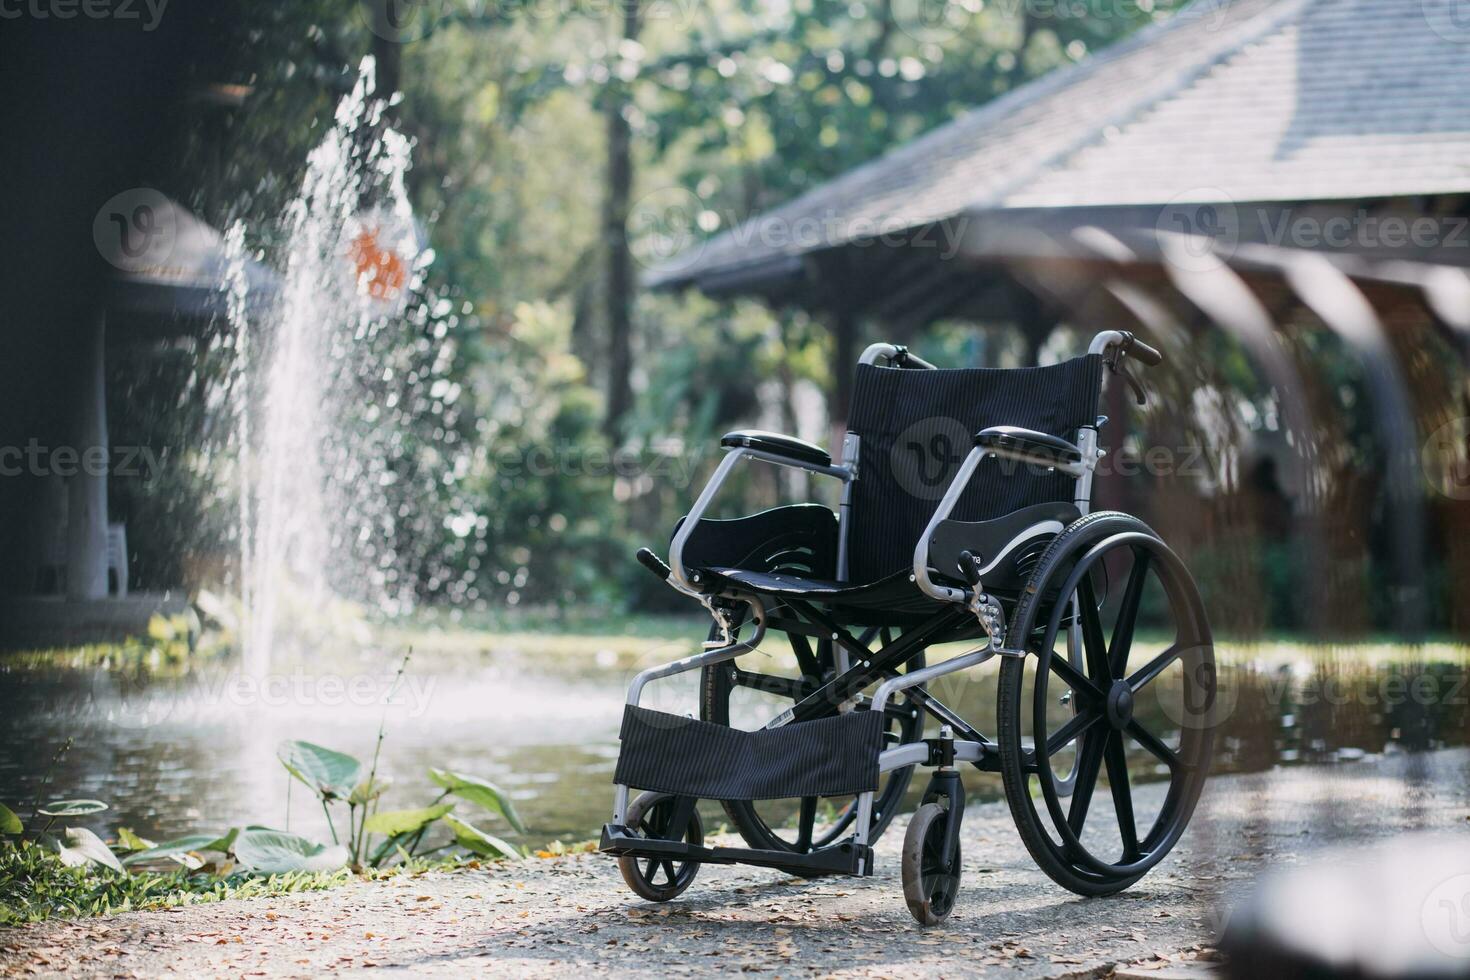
[680,577]
[696,662]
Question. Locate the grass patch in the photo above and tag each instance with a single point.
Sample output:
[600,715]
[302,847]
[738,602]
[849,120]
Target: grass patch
[35,886]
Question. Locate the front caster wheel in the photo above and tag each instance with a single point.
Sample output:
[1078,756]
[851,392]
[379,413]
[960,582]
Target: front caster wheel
[659,879]
[931,877]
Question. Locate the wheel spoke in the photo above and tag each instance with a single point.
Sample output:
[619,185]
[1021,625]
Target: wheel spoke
[1128,614]
[1078,724]
[1154,668]
[668,867]
[1089,761]
[648,870]
[805,823]
[1092,633]
[1117,761]
[1155,746]
[1075,679]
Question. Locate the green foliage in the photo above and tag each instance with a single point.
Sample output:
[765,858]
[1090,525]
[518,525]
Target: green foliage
[331,775]
[475,840]
[9,822]
[72,808]
[481,792]
[276,851]
[396,823]
[83,847]
[182,850]
[36,885]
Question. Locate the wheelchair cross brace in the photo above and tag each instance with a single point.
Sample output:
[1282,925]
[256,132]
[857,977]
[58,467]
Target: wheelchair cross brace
[852,855]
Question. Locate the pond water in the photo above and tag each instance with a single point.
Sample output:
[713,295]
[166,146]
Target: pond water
[196,751]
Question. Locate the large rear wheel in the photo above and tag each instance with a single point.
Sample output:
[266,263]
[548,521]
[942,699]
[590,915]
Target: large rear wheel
[1142,708]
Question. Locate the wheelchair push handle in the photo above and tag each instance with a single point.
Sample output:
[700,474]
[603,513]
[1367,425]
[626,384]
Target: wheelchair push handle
[1144,352]
[1116,344]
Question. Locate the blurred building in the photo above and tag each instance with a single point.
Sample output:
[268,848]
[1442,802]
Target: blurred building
[167,287]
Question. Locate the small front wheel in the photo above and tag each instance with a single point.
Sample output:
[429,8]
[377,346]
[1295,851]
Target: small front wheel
[931,877]
[659,879]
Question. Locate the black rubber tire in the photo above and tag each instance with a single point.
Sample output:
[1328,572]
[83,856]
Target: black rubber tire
[639,877]
[714,688]
[1050,570]
[929,892]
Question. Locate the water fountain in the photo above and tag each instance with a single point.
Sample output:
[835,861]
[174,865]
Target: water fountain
[332,373]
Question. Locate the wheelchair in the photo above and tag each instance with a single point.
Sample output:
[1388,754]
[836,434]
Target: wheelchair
[931,544]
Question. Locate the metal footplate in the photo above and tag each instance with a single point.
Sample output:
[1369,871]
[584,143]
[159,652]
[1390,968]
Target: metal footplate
[845,858]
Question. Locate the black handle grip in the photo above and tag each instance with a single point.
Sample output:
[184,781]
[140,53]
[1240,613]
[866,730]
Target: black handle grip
[1148,355]
[970,567]
[653,563]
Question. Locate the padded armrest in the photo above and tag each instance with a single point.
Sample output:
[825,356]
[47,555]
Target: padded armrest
[1012,439]
[776,444]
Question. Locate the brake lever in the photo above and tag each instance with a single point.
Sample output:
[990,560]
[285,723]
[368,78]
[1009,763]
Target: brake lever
[1133,385]
[1115,364]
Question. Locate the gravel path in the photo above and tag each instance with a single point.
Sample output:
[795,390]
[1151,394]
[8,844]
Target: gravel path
[574,915]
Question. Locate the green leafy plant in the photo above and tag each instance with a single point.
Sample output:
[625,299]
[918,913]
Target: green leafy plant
[48,868]
[336,778]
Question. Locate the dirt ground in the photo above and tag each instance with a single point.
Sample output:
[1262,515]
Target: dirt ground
[574,915]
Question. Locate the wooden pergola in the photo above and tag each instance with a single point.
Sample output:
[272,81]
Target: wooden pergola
[1251,122]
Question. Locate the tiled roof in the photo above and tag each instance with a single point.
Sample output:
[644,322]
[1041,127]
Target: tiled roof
[1229,100]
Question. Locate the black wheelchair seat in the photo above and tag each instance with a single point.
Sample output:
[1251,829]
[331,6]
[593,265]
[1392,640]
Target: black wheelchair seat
[787,553]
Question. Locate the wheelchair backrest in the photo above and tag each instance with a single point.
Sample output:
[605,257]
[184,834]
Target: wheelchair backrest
[916,426]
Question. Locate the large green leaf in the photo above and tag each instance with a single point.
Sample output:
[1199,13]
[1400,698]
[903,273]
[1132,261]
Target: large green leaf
[276,852]
[72,808]
[330,774]
[481,792]
[174,849]
[130,841]
[83,847]
[9,822]
[394,822]
[475,840]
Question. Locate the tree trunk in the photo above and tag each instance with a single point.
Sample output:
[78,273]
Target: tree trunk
[620,284]
[387,53]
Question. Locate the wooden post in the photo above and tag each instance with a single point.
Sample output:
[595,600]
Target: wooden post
[86,517]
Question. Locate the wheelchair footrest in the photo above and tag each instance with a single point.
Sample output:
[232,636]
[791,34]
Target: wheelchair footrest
[835,756]
[845,858]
